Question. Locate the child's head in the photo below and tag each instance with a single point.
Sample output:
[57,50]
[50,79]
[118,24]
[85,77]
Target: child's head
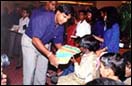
[112,64]
[104,81]
[82,14]
[127,56]
[25,12]
[88,42]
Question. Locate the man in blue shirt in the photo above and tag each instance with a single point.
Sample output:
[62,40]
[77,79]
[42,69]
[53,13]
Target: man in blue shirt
[49,6]
[46,27]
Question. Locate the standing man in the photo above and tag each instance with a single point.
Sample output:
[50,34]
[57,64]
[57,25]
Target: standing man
[44,28]
[48,6]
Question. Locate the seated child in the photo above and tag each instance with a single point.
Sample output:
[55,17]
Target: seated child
[69,68]
[86,70]
[127,56]
[112,66]
[104,81]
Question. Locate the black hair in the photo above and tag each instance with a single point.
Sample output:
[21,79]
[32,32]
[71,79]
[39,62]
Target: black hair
[82,11]
[112,16]
[103,9]
[65,8]
[127,56]
[89,42]
[116,62]
[94,12]
[27,10]
[104,81]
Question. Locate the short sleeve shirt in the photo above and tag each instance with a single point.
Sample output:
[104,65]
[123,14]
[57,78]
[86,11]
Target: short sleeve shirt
[43,27]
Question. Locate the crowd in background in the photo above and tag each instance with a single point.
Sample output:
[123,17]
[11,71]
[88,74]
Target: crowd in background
[44,29]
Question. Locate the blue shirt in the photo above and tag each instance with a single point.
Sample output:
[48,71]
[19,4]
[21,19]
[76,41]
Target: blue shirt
[98,28]
[43,27]
[111,38]
[38,11]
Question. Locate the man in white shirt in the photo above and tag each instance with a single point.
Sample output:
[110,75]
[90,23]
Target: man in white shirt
[24,21]
[83,28]
[23,24]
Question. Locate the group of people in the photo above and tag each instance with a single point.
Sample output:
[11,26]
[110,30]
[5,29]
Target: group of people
[96,32]
[93,68]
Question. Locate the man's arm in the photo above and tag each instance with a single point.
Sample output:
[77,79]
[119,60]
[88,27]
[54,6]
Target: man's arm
[98,38]
[59,45]
[39,45]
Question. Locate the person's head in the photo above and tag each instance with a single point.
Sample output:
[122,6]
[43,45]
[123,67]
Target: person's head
[91,14]
[77,41]
[127,56]
[82,14]
[104,81]
[103,13]
[73,21]
[112,64]
[111,16]
[36,4]
[25,12]
[88,42]
[63,13]
[50,5]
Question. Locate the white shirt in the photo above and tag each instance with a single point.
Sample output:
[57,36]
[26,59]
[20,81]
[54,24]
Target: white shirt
[87,68]
[83,28]
[23,22]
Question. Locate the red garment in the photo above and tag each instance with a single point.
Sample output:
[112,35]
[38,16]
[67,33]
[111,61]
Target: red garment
[70,31]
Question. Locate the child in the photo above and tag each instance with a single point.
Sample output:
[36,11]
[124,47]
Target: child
[86,70]
[127,56]
[104,81]
[112,66]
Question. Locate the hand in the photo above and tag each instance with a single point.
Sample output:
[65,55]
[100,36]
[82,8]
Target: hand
[53,60]
[98,52]
[16,30]
[59,73]
[3,79]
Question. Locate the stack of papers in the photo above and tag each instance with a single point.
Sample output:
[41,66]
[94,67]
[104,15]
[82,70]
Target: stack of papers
[65,53]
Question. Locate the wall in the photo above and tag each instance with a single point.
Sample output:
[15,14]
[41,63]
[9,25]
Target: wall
[100,4]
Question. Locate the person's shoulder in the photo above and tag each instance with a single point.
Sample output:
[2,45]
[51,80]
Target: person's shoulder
[115,25]
[61,27]
[128,81]
[21,19]
[47,16]
[86,23]
[27,18]
[47,13]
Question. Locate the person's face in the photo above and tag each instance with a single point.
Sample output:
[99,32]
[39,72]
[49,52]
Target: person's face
[24,13]
[103,15]
[52,5]
[89,16]
[83,50]
[128,70]
[105,71]
[61,18]
[81,15]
